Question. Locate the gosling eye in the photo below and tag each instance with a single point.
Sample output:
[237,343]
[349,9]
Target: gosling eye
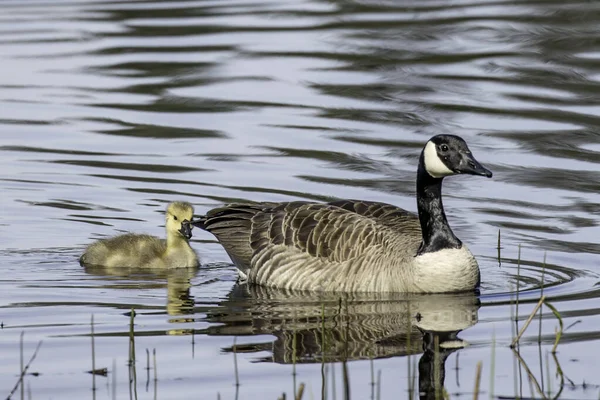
[444,148]
[175,217]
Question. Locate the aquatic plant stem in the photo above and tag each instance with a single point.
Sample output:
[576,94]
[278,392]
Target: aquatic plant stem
[477,379]
[300,392]
[527,322]
[155,374]
[378,384]
[21,363]
[93,357]
[132,368]
[323,352]
[147,369]
[529,373]
[518,288]
[559,331]
[541,294]
[548,376]
[114,379]
[24,370]
[499,255]
[235,367]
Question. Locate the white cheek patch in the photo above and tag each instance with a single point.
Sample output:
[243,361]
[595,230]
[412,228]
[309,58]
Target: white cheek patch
[433,165]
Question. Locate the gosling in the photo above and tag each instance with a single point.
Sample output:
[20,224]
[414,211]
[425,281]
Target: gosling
[145,251]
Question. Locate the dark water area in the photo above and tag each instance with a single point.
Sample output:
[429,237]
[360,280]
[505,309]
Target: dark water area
[111,109]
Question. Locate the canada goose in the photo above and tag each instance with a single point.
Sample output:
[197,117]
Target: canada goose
[352,245]
[145,251]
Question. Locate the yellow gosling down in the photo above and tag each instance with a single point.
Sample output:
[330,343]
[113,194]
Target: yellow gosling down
[144,251]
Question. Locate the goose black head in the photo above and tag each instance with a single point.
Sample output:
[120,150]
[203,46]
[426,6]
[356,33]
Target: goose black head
[446,155]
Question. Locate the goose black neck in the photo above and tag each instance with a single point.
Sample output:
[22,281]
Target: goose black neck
[437,234]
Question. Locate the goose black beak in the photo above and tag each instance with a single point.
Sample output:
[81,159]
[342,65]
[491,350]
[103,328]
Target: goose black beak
[469,165]
[198,223]
[186,229]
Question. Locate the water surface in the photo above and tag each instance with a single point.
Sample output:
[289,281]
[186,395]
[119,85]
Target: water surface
[110,110]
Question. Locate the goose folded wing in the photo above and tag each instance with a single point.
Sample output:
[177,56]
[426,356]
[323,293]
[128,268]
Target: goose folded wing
[323,231]
[400,220]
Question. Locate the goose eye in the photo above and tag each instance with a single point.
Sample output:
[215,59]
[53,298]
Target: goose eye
[175,217]
[444,147]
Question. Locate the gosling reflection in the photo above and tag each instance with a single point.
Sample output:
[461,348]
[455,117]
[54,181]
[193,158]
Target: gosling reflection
[178,281]
[315,328]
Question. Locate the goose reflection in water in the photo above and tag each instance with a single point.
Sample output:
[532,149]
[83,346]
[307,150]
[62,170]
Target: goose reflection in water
[321,327]
[178,281]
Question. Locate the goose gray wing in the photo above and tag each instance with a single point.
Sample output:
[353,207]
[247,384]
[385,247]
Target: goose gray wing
[400,220]
[301,245]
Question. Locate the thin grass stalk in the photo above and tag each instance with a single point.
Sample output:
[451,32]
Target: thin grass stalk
[147,369]
[346,380]
[561,375]
[24,370]
[513,334]
[499,255]
[518,287]
[478,371]
[456,369]
[528,321]
[93,358]
[379,384]
[131,337]
[300,392]
[513,331]
[541,294]
[155,374]
[548,376]
[132,357]
[193,343]
[323,355]
[541,366]
[114,379]
[529,373]
[531,394]
[21,366]
[235,365]
[515,366]
[559,331]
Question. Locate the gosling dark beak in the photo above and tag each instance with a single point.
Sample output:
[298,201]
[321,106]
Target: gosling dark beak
[186,229]
[469,165]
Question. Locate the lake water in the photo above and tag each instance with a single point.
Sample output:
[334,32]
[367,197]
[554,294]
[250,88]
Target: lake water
[111,109]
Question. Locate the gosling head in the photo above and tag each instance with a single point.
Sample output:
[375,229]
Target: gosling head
[178,217]
[446,155]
